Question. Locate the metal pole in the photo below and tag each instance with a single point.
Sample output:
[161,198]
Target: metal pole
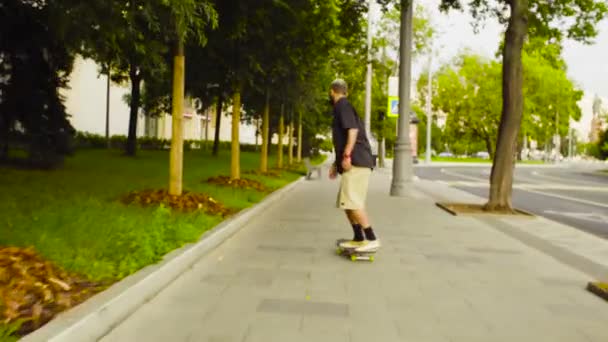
[556,138]
[207,121]
[402,165]
[429,115]
[368,79]
[108,108]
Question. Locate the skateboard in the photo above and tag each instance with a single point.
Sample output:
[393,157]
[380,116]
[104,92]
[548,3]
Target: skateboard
[352,254]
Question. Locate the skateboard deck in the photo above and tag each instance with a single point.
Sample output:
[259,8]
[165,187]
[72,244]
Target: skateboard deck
[352,254]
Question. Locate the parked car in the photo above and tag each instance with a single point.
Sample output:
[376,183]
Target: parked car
[482,155]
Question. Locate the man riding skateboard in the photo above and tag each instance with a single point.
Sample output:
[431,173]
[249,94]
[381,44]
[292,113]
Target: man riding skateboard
[354,162]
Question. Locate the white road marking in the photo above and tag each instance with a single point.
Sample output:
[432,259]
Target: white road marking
[581,216]
[456,174]
[568,198]
[530,188]
[562,180]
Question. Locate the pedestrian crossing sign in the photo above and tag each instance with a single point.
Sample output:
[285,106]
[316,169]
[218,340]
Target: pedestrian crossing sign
[393,107]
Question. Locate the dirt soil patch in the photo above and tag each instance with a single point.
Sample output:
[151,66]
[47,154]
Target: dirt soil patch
[269,173]
[187,202]
[33,290]
[478,209]
[599,288]
[243,183]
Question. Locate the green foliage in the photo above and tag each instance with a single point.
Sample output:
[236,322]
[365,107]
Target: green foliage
[384,66]
[35,60]
[599,150]
[469,91]
[437,141]
[325,145]
[85,140]
[545,18]
[550,98]
[7,331]
[135,39]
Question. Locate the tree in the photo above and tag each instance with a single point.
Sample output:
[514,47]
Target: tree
[190,18]
[386,46]
[437,141]
[469,94]
[551,100]
[535,18]
[130,36]
[139,38]
[468,91]
[37,48]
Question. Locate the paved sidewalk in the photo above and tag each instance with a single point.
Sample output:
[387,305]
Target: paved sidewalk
[437,278]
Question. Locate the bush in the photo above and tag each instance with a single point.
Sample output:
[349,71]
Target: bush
[84,140]
[599,150]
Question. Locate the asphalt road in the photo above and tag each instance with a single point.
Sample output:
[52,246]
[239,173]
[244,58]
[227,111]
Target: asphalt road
[573,195]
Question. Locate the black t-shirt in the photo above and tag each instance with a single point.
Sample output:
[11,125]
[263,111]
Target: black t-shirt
[345,118]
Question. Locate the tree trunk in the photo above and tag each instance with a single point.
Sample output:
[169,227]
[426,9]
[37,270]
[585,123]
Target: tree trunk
[501,180]
[520,147]
[281,130]
[382,162]
[5,130]
[300,137]
[177,136]
[135,99]
[265,142]
[489,147]
[218,121]
[235,166]
[290,130]
[257,131]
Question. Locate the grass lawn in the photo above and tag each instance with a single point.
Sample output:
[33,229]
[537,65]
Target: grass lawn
[72,216]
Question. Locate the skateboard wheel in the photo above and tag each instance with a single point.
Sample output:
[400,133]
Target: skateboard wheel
[371,258]
[353,257]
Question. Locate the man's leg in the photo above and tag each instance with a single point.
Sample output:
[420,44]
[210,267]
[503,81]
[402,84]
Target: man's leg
[353,192]
[357,228]
[361,217]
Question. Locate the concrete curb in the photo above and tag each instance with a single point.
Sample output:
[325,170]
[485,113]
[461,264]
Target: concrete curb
[446,207]
[93,319]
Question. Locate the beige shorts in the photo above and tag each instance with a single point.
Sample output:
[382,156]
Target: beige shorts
[353,188]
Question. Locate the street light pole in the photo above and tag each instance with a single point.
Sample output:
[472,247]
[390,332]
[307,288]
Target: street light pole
[429,115]
[108,107]
[570,139]
[402,165]
[368,78]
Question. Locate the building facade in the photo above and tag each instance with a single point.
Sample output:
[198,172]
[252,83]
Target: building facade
[85,101]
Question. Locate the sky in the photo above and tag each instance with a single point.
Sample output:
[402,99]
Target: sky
[587,64]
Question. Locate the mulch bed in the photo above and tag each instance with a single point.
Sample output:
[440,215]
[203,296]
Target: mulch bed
[187,202]
[478,209]
[242,183]
[33,290]
[269,173]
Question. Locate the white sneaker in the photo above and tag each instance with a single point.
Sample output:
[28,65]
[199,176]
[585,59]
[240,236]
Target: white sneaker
[351,244]
[369,246]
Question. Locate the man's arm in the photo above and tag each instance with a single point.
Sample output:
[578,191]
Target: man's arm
[350,143]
